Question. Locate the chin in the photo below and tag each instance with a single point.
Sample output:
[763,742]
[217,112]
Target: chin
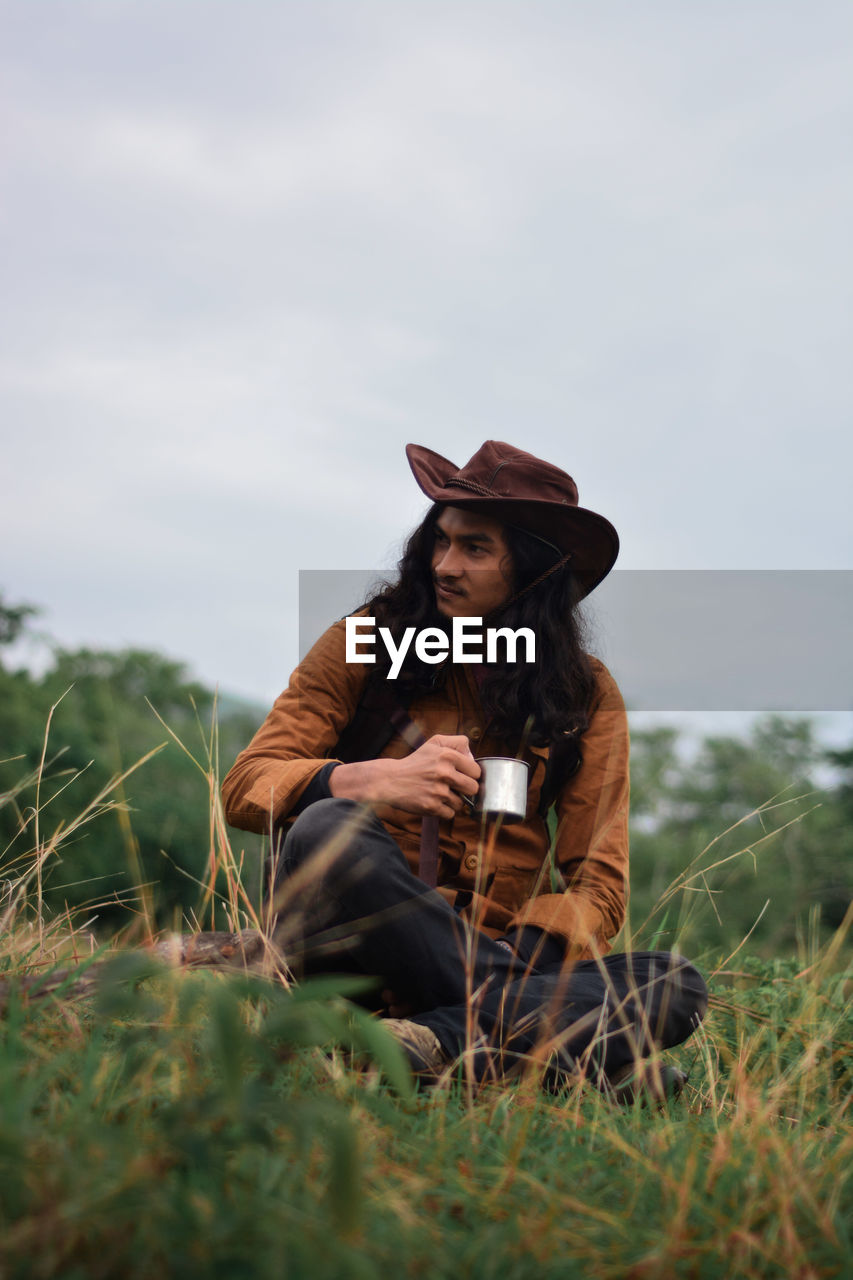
[450,608]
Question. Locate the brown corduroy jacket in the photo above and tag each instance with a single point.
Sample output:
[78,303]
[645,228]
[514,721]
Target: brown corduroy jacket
[507,878]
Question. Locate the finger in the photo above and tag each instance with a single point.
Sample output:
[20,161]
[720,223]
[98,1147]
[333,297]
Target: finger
[456,741]
[469,805]
[466,764]
[444,801]
[462,793]
[454,782]
[441,806]
[465,785]
[457,771]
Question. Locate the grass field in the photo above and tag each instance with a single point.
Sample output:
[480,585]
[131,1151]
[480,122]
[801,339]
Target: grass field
[195,1124]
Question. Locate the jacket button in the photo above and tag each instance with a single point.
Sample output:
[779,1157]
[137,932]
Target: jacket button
[476,734]
[471,861]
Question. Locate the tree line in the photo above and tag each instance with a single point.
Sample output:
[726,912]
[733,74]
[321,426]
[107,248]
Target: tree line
[732,839]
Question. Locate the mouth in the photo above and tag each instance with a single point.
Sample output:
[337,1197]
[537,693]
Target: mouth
[445,592]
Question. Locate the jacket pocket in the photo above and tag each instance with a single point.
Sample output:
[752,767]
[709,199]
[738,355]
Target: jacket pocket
[512,886]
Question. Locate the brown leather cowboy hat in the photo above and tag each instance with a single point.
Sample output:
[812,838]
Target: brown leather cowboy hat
[518,489]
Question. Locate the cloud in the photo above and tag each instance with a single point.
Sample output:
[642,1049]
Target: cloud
[251,254]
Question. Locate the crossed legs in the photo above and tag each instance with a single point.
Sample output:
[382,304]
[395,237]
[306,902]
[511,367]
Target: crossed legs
[348,903]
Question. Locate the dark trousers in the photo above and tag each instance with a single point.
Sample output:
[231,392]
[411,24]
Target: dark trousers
[348,903]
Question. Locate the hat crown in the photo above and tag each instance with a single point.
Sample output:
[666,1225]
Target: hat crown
[499,470]
[524,491]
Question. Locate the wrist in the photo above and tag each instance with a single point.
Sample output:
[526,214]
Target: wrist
[347,781]
[362,780]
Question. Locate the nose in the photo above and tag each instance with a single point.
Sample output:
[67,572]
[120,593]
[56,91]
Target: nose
[448,563]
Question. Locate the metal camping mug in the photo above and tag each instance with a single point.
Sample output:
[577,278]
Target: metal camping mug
[503,788]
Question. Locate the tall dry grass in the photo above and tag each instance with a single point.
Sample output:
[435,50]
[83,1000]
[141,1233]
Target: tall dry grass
[190,1124]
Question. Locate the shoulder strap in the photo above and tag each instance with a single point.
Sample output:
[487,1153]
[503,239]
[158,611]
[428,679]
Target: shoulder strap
[381,713]
[564,760]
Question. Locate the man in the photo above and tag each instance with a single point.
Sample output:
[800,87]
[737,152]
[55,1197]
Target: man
[366,784]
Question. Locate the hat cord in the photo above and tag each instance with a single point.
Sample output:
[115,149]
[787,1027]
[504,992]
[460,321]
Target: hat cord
[530,586]
[461,482]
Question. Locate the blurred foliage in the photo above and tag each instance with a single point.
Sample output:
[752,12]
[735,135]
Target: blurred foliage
[105,719]
[13,620]
[750,831]
[742,821]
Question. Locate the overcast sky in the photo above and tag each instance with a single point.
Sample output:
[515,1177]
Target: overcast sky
[251,249]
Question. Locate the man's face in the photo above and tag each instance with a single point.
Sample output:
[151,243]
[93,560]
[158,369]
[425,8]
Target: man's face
[471,564]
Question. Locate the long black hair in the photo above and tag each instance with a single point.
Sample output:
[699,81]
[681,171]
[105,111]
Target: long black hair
[525,702]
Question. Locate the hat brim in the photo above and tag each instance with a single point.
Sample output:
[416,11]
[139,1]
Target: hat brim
[589,537]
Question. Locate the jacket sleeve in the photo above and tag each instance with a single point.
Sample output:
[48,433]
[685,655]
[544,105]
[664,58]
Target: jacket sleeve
[591,843]
[296,739]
